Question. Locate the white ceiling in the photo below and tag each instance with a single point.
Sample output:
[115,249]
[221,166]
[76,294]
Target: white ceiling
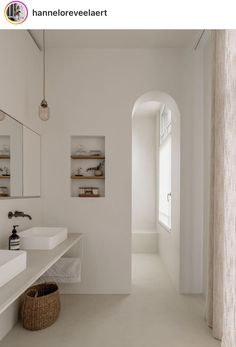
[118,38]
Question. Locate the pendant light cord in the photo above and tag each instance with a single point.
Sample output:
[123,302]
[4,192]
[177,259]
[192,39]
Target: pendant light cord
[43,107]
[44,65]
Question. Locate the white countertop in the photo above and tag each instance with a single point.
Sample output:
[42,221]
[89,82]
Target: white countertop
[37,263]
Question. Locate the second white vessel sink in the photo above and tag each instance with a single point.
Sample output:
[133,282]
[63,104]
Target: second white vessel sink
[42,237]
[11,264]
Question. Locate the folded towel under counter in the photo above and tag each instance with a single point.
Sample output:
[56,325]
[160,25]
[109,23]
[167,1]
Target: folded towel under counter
[65,270]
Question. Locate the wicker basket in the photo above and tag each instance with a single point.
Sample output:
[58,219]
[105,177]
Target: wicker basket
[41,306]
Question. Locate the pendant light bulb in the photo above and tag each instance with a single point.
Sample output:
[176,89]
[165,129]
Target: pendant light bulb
[44,110]
[43,107]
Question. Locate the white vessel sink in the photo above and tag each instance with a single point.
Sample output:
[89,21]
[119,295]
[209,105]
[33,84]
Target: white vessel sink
[42,237]
[11,264]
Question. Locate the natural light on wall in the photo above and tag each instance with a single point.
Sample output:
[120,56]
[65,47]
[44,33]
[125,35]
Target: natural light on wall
[165,169]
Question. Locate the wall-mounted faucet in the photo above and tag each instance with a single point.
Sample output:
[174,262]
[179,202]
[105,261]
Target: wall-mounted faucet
[18,214]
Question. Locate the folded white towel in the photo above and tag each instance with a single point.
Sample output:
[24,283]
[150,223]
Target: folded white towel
[65,270]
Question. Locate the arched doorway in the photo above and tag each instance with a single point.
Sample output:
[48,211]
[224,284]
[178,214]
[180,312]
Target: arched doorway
[156,179]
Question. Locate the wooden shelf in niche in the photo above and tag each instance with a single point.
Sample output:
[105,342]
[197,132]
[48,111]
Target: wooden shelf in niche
[5,157]
[4,177]
[88,196]
[88,177]
[87,157]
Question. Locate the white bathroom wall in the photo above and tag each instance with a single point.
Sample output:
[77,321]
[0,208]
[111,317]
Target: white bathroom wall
[144,178]
[194,274]
[144,173]
[192,201]
[20,63]
[31,163]
[92,92]
[21,87]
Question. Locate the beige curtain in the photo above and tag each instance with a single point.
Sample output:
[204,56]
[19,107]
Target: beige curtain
[221,305]
[229,323]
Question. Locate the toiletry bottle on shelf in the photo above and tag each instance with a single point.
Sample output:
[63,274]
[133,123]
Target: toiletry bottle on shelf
[14,240]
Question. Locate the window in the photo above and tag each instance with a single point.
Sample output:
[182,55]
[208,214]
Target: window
[165,169]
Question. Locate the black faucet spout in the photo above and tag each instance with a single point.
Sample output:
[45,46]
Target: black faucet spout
[27,215]
[18,214]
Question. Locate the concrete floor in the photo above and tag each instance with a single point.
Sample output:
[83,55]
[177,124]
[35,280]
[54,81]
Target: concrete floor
[153,316]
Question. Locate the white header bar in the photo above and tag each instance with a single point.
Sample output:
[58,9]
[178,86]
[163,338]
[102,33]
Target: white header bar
[104,14]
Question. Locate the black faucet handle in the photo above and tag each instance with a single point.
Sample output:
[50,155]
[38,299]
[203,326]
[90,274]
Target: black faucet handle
[10,215]
[15,214]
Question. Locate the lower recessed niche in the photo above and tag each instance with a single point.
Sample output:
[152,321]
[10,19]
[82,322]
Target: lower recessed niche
[88,166]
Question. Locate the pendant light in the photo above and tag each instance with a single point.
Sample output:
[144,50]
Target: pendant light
[43,108]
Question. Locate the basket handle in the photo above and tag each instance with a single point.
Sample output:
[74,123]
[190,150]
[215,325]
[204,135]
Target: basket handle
[35,292]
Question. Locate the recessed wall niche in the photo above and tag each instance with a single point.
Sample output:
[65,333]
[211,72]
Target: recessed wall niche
[88,166]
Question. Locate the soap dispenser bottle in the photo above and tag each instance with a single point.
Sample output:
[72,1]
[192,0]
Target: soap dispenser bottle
[14,240]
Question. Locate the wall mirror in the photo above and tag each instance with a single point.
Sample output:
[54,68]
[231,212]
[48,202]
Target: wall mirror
[19,159]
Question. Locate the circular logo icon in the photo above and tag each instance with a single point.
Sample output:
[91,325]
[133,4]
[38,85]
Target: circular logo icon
[16,12]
